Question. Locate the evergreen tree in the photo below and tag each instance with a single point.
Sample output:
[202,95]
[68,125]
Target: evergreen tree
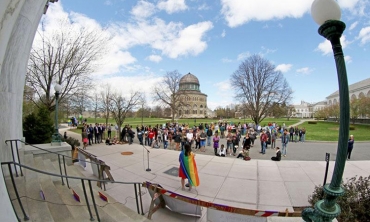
[38,128]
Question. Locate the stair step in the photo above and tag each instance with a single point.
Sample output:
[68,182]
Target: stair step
[20,184]
[104,216]
[38,208]
[56,206]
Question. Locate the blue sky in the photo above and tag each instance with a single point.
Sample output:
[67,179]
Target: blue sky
[210,39]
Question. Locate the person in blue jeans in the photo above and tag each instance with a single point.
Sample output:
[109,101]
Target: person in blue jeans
[263,139]
[284,142]
[209,136]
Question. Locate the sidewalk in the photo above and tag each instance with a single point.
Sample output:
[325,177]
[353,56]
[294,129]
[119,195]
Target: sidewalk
[256,184]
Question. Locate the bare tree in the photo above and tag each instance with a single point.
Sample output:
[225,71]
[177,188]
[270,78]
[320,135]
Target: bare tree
[168,94]
[120,106]
[259,85]
[65,56]
[96,105]
[106,95]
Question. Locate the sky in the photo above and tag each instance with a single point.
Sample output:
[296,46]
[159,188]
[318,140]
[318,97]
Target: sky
[211,38]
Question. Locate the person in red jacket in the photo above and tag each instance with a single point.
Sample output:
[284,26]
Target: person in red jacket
[151,136]
[263,139]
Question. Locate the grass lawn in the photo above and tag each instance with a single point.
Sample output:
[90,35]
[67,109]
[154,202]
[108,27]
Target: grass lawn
[329,131]
[154,121]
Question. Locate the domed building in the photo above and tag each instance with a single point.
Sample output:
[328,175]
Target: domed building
[194,102]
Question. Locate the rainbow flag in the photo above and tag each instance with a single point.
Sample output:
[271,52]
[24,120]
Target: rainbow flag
[189,167]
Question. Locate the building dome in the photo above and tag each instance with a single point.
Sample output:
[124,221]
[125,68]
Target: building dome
[189,78]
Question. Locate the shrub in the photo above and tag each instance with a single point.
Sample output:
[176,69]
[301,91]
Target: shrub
[72,141]
[312,122]
[38,128]
[354,203]
[352,127]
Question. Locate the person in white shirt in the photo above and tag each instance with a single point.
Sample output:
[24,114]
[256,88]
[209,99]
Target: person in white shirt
[222,151]
[189,137]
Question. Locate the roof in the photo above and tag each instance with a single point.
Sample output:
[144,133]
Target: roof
[189,78]
[354,87]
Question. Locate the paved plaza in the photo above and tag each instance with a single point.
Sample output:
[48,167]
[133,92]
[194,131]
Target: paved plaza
[256,184]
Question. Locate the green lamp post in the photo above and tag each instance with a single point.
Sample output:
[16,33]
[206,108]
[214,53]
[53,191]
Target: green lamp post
[327,14]
[56,138]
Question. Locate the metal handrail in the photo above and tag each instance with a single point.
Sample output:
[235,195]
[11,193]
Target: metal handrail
[47,150]
[83,187]
[101,174]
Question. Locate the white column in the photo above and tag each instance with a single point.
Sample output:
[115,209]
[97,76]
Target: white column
[19,21]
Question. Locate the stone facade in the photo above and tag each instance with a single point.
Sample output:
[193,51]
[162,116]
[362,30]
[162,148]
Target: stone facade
[195,102]
[356,90]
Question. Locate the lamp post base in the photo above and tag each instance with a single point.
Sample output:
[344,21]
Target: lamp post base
[55,141]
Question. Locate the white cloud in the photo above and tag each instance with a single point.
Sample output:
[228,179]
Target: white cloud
[348,59]
[203,7]
[326,47]
[223,86]
[188,41]
[238,12]
[108,2]
[143,9]
[132,83]
[223,34]
[353,25]
[243,56]
[154,58]
[172,39]
[364,35]
[226,60]
[265,51]
[304,71]
[171,6]
[283,67]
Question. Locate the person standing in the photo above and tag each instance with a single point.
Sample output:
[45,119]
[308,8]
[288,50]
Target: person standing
[229,143]
[284,142]
[209,136]
[110,130]
[291,132]
[263,139]
[188,168]
[351,141]
[202,141]
[216,140]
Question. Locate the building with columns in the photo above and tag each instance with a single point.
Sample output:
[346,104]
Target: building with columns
[356,90]
[194,101]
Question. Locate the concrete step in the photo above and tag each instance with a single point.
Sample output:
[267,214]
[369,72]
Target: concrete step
[116,210]
[38,208]
[20,185]
[57,207]
[102,214]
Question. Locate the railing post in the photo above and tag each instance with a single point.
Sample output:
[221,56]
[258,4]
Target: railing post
[102,174]
[65,171]
[136,198]
[87,200]
[19,161]
[16,192]
[141,200]
[93,200]
[15,167]
[60,170]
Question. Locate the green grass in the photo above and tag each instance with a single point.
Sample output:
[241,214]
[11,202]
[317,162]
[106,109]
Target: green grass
[329,131]
[154,121]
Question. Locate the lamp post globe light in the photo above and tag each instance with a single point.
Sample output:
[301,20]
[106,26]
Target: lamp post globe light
[56,138]
[327,14]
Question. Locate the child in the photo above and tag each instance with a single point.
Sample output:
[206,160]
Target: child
[222,151]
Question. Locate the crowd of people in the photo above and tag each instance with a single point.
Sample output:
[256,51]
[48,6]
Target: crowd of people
[175,136]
